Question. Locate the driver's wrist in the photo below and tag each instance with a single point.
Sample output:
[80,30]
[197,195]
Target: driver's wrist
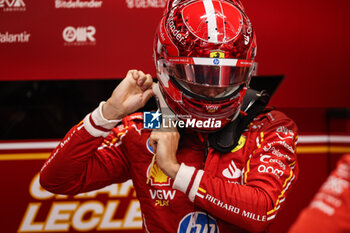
[110,112]
[172,170]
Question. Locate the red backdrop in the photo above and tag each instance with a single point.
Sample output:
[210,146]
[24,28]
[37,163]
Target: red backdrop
[305,40]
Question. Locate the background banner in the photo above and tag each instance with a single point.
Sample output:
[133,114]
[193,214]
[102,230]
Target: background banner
[102,39]
[27,207]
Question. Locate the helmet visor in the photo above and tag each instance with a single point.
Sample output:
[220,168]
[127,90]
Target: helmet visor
[213,92]
[209,77]
[209,71]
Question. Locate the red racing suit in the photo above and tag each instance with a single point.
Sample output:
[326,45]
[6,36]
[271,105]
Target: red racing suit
[239,191]
[329,210]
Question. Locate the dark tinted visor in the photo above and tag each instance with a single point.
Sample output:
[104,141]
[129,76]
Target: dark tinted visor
[209,71]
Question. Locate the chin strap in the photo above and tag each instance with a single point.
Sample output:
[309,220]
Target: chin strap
[226,139]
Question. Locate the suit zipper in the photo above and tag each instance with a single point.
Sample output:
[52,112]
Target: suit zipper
[206,151]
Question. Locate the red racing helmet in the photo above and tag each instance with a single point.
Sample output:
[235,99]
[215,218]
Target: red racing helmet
[204,52]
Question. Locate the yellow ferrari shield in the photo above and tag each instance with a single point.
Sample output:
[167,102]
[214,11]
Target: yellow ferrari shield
[217,54]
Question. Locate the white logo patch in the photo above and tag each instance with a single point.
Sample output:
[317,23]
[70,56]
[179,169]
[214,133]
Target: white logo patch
[232,172]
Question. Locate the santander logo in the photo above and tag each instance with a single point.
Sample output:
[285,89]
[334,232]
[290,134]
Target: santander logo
[232,172]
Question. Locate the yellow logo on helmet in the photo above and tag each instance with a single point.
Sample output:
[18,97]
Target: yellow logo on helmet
[217,54]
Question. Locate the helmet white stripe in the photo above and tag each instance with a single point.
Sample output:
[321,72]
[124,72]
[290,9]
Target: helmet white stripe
[210,61]
[214,61]
[211,18]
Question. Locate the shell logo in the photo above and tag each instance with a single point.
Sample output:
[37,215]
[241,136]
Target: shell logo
[157,176]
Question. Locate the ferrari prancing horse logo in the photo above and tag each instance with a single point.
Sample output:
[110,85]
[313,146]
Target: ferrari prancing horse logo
[217,54]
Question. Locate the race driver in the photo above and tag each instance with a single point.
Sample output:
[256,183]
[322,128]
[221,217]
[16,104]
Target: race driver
[225,165]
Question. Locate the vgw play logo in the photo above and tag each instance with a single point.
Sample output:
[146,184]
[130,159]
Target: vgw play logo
[155,120]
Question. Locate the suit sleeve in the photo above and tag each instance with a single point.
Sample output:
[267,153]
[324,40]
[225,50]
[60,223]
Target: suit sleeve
[330,207]
[89,157]
[266,179]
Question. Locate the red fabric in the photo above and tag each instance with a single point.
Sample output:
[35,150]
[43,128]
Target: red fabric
[329,211]
[239,190]
[191,182]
